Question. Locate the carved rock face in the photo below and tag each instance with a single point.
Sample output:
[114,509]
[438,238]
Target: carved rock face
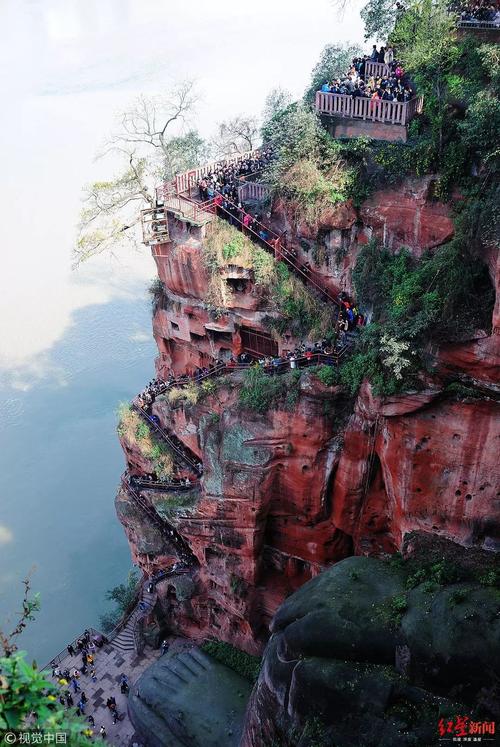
[286,493]
[408,216]
[332,668]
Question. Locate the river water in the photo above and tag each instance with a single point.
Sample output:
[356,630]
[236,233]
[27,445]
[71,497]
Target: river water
[74,344]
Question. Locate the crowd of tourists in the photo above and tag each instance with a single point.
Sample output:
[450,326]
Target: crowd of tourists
[174,481]
[71,682]
[481,11]
[226,178]
[392,85]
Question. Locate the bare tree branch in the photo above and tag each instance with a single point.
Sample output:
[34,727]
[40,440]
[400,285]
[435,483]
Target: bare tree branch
[236,135]
[144,144]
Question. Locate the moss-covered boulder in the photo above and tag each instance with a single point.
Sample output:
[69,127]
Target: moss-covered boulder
[372,654]
[189,698]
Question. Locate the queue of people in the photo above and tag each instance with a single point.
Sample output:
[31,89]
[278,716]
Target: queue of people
[393,85]
[481,11]
[225,178]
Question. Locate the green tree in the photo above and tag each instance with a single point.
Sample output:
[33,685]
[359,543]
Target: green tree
[379,17]
[27,698]
[335,61]
[184,152]
[124,595]
[297,134]
[425,40]
[481,128]
[276,101]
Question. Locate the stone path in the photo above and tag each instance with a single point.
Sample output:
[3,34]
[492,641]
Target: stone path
[109,663]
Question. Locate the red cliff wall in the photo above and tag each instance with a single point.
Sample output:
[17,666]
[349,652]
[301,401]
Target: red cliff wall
[285,494]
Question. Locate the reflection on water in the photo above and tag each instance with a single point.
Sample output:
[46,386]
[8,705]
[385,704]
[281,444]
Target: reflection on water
[73,345]
[60,463]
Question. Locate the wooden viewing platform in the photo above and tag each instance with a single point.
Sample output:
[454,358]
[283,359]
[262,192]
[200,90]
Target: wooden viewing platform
[487,31]
[352,116]
[187,181]
[374,110]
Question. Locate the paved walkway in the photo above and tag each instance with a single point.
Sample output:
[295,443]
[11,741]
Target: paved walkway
[109,663]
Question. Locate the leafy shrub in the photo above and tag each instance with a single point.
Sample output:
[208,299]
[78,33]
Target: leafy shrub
[133,429]
[414,301]
[208,387]
[310,189]
[457,597]
[156,291]
[490,578]
[328,375]
[25,690]
[244,664]
[125,596]
[261,392]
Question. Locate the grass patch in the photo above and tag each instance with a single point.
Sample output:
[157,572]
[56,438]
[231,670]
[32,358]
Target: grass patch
[246,665]
[260,392]
[300,312]
[328,375]
[136,432]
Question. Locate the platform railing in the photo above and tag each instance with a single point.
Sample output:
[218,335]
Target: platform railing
[374,110]
[64,653]
[189,179]
[478,25]
[253,191]
[185,207]
[376,69]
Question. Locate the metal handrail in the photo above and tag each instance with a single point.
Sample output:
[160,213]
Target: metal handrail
[162,524]
[166,437]
[303,361]
[276,247]
[471,24]
[64,653]
[164,486]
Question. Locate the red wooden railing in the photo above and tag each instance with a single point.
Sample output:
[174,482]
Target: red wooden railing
[253,191]
[375,110]
[377,69]
[189,179]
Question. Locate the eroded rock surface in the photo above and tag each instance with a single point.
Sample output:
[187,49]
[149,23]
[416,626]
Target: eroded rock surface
[189,700]
[357,657]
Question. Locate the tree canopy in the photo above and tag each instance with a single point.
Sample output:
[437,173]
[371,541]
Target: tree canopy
[334,61]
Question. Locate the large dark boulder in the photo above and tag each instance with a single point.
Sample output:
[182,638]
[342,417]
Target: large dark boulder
[189,700]
[372,653]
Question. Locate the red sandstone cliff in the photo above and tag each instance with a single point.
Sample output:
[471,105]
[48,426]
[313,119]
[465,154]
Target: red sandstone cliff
[286,494]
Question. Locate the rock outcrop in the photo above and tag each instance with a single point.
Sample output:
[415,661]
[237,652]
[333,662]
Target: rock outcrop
[372,652]
[188,698]
[287,493]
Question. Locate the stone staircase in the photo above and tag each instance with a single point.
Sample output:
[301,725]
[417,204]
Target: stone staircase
[126,637]
[185,666]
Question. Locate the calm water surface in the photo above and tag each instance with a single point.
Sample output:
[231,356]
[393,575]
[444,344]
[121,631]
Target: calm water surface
[60,464]
[72,345]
